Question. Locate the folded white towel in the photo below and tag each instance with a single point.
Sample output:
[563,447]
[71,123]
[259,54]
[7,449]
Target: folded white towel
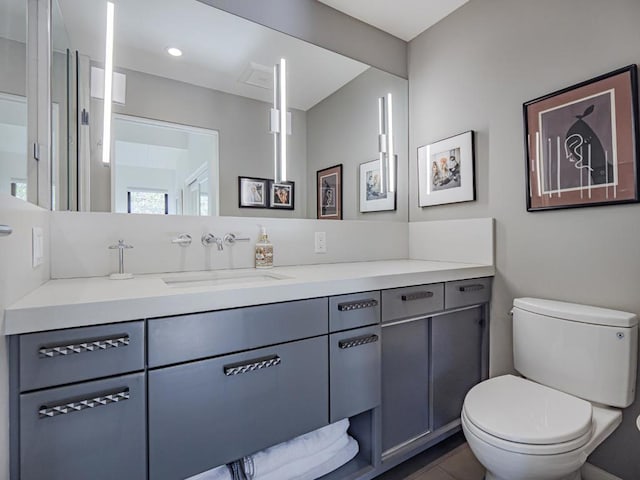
[317,465]
[294,457]
[339,458]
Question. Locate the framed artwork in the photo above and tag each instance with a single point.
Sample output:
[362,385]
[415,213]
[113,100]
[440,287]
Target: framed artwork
[371,197]
[253,192]
[446,171]
[581,144]
[281,195]
[329,193]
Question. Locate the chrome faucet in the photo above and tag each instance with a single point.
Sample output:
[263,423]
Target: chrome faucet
[209,238]
[121,246]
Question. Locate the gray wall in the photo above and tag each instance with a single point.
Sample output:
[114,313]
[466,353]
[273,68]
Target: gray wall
[343,128]
[321,25]
[474,70]
[13,67]
[246,146]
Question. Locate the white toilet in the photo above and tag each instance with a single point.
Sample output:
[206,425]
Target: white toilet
[578,363]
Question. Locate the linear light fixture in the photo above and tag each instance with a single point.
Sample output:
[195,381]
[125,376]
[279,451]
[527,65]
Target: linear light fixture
[385,144]
[108,85]
[280,121]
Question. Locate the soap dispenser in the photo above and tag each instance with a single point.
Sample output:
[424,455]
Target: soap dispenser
[264,250]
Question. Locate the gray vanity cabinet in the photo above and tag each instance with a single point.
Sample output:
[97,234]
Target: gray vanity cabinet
[430,359]
[210,412]
[405,382]
[90,430]
[456,361]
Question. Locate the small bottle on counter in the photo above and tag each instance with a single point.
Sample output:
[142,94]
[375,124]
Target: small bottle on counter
[264,250]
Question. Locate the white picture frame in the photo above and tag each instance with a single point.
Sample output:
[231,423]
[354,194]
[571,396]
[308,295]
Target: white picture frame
[371,198]
[446,171]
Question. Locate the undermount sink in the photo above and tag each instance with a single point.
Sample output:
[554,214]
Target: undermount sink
[212,279]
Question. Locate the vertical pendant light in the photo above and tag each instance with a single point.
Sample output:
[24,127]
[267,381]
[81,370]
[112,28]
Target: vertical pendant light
[108,85]
[382,145]
[279,120]
[385,144]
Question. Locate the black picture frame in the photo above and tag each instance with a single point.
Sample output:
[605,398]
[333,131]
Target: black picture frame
[282,195]
[329,193]
[253,192]
[581,144]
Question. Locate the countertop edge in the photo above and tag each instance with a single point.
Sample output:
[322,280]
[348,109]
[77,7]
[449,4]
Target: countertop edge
[54,317]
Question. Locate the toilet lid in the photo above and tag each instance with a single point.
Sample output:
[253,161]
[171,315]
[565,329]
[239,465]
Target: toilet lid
[519,410]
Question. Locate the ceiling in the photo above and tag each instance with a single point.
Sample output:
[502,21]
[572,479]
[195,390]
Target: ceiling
[218,48]
[404,19]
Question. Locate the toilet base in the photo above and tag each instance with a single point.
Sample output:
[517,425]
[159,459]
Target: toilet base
[573,476]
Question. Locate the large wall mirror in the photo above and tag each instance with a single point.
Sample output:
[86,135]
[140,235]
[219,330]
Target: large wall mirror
[184,128]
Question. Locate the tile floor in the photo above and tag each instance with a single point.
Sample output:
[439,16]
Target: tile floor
[457,464]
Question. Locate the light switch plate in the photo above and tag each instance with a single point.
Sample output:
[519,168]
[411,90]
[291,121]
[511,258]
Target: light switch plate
[37,247]
[321,242]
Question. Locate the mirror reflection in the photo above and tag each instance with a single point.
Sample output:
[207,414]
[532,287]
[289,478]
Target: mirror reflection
[192,112]
[13,101]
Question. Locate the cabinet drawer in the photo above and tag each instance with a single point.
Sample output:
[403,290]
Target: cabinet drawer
[91,430]
[354,372]
[77,354]
[191,337]
[467,292]
[353,311]
[207,413]
[407,302]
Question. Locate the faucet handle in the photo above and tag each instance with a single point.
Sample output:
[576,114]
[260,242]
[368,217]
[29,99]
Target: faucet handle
[231,238]
[184,240]
[120,245]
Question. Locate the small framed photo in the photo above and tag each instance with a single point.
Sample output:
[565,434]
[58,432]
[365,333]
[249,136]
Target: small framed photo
[329,193]
[253,192]
[372,199]
[581,144]
[446,171]
[281,195]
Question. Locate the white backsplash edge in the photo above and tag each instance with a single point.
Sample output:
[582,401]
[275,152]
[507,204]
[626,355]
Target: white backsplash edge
[468,240]
[79,242]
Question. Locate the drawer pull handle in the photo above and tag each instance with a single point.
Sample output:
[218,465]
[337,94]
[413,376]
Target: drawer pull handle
[63,409]
[357,305]
[471,288]
[416,296]
[357,341]
[91,346]
[257,364]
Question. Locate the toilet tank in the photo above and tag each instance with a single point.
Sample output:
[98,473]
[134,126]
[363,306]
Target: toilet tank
[588,352]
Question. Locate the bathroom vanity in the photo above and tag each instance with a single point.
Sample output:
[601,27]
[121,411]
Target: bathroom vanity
[393,346]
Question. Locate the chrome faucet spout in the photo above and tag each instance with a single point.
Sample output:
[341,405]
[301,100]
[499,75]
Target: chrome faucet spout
[209,238]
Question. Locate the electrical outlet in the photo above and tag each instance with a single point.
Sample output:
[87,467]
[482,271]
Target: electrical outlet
[37,247]
[321,242]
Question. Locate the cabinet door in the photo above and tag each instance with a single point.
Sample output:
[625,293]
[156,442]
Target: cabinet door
[90,430]
[405,382]
[207,413]
[456,361]
[354,358]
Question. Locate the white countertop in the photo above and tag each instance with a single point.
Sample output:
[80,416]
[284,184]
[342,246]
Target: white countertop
[94,301]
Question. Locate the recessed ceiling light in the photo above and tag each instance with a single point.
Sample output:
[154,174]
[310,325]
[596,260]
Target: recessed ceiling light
[174,52]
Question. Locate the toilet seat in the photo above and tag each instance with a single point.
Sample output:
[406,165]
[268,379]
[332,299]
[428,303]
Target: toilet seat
[518,415]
